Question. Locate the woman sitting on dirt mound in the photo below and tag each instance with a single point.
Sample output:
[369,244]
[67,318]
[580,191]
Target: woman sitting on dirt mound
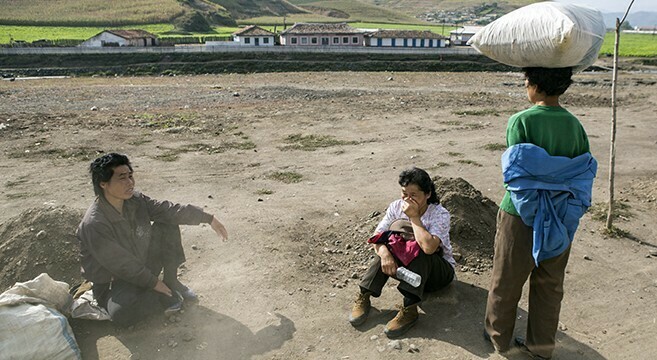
[123,254]
[414,234]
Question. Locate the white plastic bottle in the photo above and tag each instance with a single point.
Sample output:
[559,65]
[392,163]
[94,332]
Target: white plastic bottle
[408,276]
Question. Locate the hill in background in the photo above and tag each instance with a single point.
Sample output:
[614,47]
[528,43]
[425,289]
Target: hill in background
[225,12]
[417,7]
[243,9]
[127,12]
[641,18]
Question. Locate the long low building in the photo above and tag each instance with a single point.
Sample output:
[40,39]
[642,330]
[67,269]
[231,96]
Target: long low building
[405,38]
[318,34]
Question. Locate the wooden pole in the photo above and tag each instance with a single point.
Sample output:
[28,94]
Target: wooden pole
[612,146]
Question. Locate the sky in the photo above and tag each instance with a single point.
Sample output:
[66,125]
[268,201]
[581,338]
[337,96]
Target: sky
[607,6]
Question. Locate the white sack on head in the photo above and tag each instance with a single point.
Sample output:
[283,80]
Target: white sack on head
[546,34]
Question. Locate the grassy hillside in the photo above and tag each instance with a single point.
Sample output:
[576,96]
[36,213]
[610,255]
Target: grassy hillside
[124,12]
[88,12]
[415,7]
[342,10]
[241,9]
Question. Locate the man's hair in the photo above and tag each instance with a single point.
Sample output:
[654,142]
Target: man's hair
[549,81]
[420,178]
[102,169]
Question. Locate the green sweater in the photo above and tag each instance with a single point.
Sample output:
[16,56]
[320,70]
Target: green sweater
[553,128]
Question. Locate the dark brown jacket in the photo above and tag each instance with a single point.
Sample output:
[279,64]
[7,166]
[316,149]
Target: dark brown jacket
[114,245]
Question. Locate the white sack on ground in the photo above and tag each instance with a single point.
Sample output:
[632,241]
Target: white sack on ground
[40,290]
[33,326]
[36,332]
[86,307]
[546,34]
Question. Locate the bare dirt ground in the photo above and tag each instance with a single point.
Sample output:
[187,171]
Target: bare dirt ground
[299,167]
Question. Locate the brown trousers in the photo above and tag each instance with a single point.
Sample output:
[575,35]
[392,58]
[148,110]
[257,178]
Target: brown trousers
[513,263]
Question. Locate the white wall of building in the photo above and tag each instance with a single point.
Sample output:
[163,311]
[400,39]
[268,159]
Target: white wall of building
[104,38]
[387,42]
[253,40]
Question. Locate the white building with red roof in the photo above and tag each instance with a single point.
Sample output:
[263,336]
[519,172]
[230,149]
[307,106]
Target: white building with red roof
[122,38]
[318,34]
[254,35]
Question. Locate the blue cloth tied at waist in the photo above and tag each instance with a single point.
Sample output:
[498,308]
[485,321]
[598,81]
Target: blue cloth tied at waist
[551,194]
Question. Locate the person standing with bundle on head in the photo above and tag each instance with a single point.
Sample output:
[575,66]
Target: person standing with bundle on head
[548,173]
[127,239]
[414,233]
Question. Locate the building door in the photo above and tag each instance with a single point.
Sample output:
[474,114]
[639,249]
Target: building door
[379,42]
[257,41]
[394,42]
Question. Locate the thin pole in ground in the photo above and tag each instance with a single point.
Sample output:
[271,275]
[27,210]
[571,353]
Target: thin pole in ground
[612,148]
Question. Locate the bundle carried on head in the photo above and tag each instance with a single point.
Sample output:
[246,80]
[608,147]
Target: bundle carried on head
[546,34]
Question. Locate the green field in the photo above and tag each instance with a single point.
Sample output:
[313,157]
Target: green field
[88,12]
[438,29]
[643,45]
[32,33]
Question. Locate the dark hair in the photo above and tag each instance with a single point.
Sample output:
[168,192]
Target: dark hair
[420,178]
[549,81]
[102,169]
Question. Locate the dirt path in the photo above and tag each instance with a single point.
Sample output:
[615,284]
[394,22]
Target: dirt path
[297,165]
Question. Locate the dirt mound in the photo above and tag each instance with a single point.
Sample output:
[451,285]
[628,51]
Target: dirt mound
[472,228]
[40,240]
[340,251]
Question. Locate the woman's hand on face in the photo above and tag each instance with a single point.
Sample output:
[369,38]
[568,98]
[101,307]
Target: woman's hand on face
[411,208]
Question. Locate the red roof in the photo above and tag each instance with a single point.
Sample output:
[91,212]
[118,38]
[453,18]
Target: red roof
[320,28]
[253,30]
[132,34]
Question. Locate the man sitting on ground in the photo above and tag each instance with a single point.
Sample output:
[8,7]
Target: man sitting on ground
[123,254]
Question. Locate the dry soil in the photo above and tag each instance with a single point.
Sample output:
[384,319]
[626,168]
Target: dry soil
[299,167]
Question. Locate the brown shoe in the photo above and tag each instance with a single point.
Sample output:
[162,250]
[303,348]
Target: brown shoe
[405,319]
[361,309]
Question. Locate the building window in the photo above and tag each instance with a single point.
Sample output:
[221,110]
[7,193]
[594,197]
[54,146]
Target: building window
[336,40]
[313,40]
[293,41]
[345,40]
[325,41]
[354,40]
[265,40]
[304,40]
[247,40]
